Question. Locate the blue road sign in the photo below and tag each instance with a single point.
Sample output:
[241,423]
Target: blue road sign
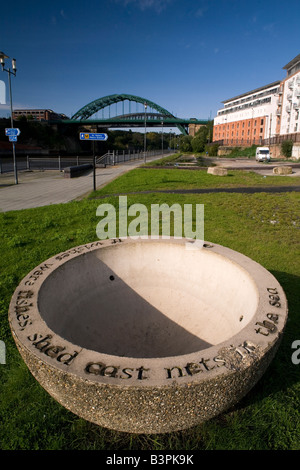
[12,131]
[92,136]
[13,138]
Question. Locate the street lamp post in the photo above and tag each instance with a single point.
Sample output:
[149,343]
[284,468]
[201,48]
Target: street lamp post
[145,137]
[10,72]
[162,137]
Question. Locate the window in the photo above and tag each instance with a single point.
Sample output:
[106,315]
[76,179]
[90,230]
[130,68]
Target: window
[261,122]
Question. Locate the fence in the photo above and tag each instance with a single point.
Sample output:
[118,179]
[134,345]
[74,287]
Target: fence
[42,163]
[59,163]
[115,157]
[278,139]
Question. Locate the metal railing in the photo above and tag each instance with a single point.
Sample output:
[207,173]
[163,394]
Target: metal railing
[278,139]
[116,157]
[42,163]
[59,162]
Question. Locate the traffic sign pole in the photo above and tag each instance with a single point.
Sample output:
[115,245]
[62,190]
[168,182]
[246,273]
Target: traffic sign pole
[12,134]
[12,125]
[93,136]
[94,167]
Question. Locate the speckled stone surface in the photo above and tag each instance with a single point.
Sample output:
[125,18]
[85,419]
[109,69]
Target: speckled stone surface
[217,170]
[283,170]
[148,394]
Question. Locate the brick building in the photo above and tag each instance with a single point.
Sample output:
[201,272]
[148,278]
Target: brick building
[266,115]
[38,114]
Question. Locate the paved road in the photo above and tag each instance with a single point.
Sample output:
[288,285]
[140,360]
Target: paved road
[253,165]
[41,188]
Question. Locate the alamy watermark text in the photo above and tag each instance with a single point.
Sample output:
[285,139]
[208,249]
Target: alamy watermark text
[136,221]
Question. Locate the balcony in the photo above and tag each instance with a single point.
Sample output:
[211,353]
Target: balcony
[288,108]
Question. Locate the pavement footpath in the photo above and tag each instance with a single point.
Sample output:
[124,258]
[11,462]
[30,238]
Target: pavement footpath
[42,188]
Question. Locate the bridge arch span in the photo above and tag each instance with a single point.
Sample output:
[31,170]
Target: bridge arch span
[91,108]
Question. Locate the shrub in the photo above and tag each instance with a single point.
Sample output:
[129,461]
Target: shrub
[286,148]
[212,150]
[243,152]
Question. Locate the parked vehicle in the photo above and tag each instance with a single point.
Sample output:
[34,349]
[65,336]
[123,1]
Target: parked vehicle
[262,154]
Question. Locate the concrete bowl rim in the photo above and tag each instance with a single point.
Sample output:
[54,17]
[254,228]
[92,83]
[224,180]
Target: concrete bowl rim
[264,342]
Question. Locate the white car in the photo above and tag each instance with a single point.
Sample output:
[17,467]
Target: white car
[262,154]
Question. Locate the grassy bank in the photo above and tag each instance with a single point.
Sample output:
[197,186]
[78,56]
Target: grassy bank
[142,179]
[248,152]
[264,227]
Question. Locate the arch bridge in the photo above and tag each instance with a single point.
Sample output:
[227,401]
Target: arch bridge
[153,115]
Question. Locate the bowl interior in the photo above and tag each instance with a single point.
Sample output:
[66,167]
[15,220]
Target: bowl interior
[148,299]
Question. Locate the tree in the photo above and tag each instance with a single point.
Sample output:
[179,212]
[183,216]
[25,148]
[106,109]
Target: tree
[153,141]
[185,143]
[200,139]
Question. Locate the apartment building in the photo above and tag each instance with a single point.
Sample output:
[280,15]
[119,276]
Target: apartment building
[288,121]
[266,115]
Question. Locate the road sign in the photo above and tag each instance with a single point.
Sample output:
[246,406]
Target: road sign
[92,136]
[13,138]
[12,131]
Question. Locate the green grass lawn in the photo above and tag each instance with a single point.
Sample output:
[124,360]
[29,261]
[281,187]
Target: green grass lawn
[265,227]
[142,179]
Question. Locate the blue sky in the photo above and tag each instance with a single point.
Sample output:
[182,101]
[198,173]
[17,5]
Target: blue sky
[185,55]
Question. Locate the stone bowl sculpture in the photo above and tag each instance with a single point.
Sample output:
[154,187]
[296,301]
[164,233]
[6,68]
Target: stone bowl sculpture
[148,336]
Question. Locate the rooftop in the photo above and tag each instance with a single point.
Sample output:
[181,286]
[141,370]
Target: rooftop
[265,87]
[292,62]
[34,109]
